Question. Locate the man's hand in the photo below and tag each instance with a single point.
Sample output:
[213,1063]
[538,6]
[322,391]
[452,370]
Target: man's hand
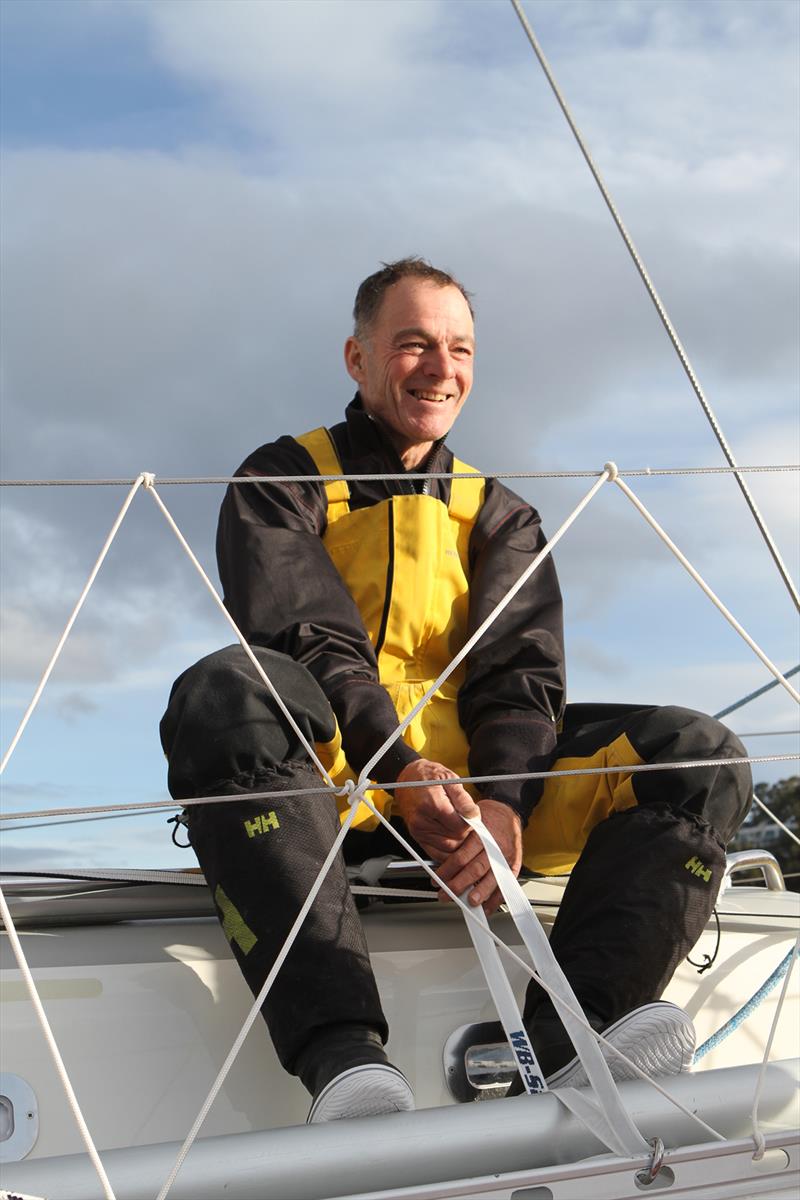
[468,864]
[431,814]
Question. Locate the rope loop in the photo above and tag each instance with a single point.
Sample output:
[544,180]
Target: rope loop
[646,1176]
[612,470]
[148,480]
[760,1145]
[347,789]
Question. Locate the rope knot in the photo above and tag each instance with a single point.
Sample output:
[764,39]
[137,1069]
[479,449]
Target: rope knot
[612,469]
[347,789]
[148,479]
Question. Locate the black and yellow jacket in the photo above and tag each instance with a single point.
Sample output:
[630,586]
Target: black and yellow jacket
[374,586]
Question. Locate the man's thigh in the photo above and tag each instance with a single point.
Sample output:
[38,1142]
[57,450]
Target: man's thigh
[610,738]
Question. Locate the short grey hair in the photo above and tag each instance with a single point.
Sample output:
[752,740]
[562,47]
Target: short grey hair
[371,292]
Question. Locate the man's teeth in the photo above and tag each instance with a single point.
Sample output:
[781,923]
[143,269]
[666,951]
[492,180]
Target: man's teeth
[439,397]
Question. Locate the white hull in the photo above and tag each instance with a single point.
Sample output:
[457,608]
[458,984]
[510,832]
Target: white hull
[145,1012]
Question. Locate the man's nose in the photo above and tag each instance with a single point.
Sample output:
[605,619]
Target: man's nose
[438,363]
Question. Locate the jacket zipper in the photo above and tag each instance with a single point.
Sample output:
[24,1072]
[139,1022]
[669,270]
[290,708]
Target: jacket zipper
[387,602]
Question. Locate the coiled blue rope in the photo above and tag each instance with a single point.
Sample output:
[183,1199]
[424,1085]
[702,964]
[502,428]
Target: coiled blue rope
[745,1011]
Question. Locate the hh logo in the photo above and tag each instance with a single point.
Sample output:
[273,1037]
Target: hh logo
[697,868]
[261,824]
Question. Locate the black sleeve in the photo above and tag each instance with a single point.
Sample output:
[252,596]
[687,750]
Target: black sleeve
[283,591]
[513,693]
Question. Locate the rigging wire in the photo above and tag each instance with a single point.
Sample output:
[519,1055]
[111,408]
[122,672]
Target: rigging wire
[377,477]
[777,821]
[660,309]
[753,696]
[158,806]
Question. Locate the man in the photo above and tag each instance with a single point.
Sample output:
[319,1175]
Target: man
[355,597]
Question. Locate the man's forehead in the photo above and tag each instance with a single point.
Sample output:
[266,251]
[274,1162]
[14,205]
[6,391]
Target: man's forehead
[411,303]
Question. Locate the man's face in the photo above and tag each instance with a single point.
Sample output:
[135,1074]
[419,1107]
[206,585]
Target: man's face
[414,367]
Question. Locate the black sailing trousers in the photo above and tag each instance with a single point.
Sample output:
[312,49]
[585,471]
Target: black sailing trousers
[636,902]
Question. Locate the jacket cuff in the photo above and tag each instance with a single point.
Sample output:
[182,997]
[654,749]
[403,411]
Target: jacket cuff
[513,744]
[367,717]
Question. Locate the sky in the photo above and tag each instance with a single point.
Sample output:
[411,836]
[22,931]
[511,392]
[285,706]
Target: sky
[191,193]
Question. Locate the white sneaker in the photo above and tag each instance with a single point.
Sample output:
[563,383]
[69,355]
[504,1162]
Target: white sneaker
[366,1091]
[659,1038]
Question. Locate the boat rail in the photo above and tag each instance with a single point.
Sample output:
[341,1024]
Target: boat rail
[748,860]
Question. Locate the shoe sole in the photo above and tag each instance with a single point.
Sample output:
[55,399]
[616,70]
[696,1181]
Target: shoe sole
[366,1091]
[658,1038]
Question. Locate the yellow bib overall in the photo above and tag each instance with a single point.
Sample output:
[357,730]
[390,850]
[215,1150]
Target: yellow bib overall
[405,563]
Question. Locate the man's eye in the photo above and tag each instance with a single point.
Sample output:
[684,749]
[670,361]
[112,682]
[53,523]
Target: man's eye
[413,346]
[462,351]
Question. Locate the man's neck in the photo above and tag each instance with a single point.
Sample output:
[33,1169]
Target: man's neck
[412,457]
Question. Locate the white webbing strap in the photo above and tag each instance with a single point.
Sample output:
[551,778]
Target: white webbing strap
[620,1134]
[505,1002]
[589,1111]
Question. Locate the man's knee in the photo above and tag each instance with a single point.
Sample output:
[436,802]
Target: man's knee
[720,791]
[223,724]
[218,674]
[205,694]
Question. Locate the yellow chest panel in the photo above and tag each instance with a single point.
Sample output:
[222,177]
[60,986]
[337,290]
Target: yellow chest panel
[405,562]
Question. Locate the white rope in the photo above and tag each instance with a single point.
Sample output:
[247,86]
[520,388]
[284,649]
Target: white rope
[156,806]
[659,307]
[144,806]
[137,483]
[758,1136]
[470,915]
[183,480]
[608,473]
[777,821]
[242,640]
[729,617]
[58,1061]
[262,995]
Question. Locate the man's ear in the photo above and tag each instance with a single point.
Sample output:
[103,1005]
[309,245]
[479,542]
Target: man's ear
[354,359]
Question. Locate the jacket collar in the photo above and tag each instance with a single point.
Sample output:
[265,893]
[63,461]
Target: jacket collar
[366,432]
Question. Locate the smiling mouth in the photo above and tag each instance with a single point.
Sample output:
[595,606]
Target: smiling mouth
[430,397]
